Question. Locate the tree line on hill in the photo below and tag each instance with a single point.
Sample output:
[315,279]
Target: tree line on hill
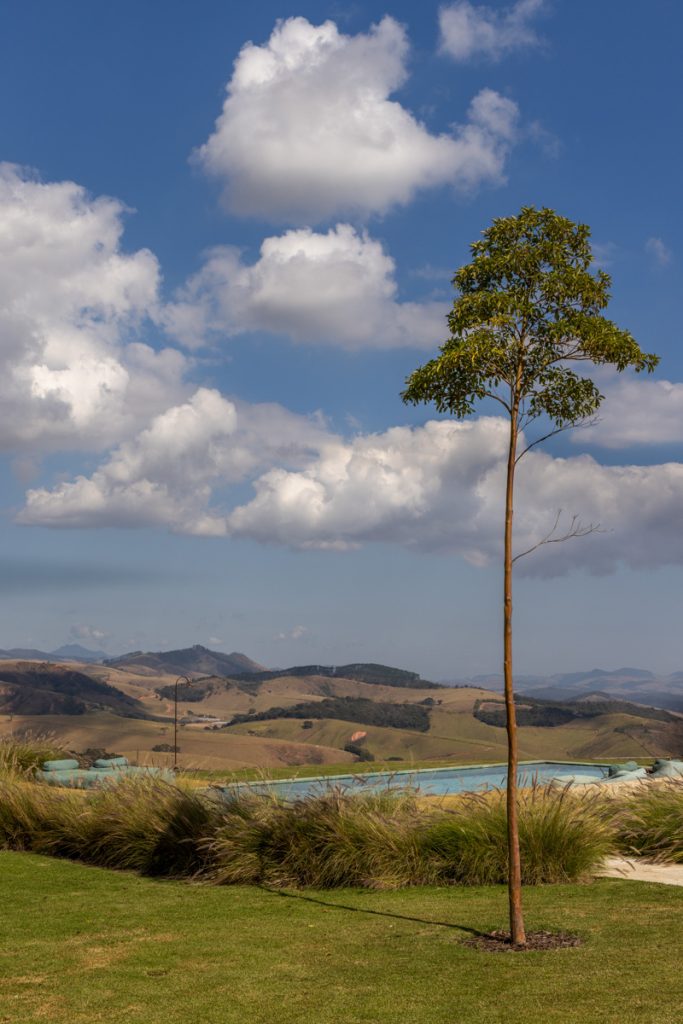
[362,672]
[532,711]
[349,709]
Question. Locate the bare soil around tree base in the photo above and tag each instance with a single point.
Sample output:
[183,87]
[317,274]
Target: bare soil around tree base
[500,942]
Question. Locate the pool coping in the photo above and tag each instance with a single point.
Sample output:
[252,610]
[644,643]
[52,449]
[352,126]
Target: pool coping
[405,771]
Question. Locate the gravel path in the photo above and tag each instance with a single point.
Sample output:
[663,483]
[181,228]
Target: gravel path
[641,871]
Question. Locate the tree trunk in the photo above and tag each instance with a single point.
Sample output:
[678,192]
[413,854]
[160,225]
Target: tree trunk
[517,932]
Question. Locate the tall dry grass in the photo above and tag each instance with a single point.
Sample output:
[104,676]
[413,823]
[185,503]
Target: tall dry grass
[563,837]
[649,822]
[384,840]
[22,754]
[141,824]
[323,842]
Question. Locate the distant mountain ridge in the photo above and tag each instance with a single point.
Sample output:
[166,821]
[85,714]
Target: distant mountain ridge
[67,652]
[196,659]
[636,685]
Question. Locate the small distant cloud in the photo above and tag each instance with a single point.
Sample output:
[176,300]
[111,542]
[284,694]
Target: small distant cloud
[659,251]
[474,30]
[297,633]
[605,253]
[430,273]
[547,142]
[215,641]
[83,633]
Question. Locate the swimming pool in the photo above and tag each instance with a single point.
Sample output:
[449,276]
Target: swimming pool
[429,781]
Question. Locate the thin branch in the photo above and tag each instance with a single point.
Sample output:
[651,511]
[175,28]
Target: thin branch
[539,440]
[497,398]
[575,530]
[558,430]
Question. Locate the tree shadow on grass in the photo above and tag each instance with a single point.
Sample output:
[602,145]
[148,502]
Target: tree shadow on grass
[287,894]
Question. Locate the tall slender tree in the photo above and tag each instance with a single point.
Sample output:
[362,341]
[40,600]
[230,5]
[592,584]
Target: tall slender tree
[527,306]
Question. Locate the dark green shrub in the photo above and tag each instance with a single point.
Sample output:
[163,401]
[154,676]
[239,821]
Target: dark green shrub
[362,753]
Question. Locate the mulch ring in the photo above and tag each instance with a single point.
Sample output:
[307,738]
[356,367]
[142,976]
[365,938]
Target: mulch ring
[499,942]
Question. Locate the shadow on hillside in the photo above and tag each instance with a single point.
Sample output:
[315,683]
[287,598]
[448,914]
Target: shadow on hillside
[286,894]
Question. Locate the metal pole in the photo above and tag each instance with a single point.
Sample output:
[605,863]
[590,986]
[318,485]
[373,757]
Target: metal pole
[175,721]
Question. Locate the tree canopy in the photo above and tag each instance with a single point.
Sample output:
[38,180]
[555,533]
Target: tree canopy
[527,304]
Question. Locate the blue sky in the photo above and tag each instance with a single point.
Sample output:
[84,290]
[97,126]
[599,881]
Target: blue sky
[207,315]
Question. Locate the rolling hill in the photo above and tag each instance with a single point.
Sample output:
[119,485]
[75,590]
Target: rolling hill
[40,688]
[364,672]
[269,718]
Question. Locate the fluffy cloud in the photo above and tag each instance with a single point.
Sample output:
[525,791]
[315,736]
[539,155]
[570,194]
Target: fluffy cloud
[308,130]
[637,411]
[73,371]
[440,488]
[167,474]
[469,30]
[434,488]
[336,288]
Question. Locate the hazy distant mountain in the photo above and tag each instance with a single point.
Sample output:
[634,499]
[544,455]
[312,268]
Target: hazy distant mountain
[25,653]
[68,652]
[28,688]
[198,660]
[74,652]
[633,684]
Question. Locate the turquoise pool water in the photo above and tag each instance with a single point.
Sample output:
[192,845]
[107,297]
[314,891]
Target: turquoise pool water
[429,781]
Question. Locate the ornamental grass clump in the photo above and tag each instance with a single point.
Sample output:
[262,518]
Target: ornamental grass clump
[322,842]
[31,815]
[563,838]
[24,754]
[649,823]
[139,824]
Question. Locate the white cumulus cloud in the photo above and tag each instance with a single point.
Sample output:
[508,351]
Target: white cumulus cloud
[74,372]
[472,30]
[167,475]
[336,288]
[308,130]
[440,488]
[436,488]
[638,411]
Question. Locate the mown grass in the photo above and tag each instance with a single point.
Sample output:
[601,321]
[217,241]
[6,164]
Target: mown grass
[81,945]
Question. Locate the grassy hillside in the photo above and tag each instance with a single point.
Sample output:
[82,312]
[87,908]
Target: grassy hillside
[454,733]
[41,688]
[366,672]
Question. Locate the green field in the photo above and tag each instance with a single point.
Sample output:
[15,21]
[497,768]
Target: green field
[83,945]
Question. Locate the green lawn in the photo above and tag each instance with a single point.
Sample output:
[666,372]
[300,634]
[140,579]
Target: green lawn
[82,945]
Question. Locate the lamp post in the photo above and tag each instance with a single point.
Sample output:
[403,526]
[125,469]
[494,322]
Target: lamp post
[175,721]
